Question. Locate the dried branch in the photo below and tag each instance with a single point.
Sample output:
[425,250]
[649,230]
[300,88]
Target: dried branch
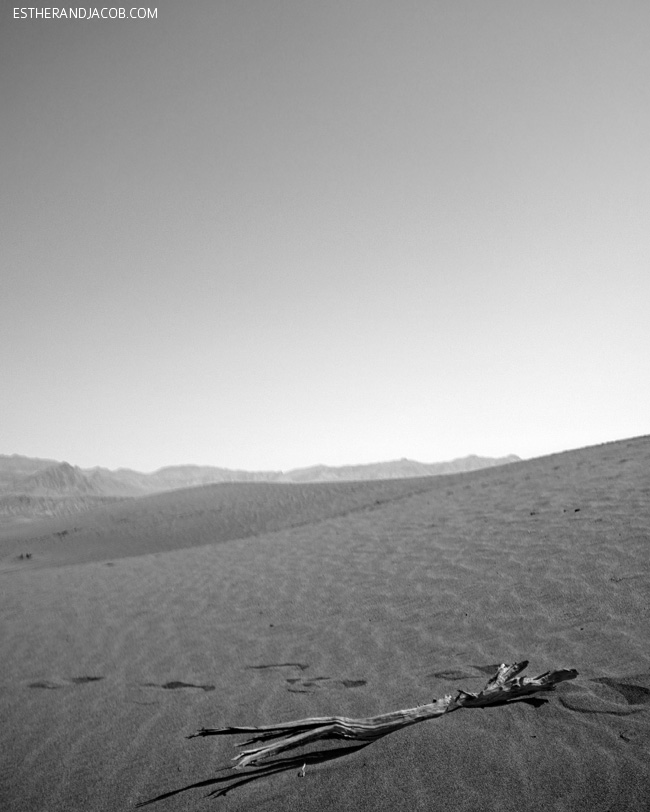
[503,687]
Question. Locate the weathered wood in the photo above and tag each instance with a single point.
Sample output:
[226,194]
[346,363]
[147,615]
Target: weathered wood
[503,687]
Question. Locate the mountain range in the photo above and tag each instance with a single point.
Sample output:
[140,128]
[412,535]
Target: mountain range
[33,487]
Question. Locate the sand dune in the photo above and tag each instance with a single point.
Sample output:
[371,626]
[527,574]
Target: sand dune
[133,626]
[190,518]
[33,489]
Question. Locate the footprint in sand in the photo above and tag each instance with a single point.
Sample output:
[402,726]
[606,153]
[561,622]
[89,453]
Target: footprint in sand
[300,666]
[312,682]
[305,686]
[46,685]
[175,685]
[51,685]
[633,694]
[584,701]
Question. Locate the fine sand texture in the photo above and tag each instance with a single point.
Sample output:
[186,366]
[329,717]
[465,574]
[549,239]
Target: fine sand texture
[132,627]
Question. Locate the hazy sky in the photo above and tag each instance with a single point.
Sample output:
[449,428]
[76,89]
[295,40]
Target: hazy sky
[271,233]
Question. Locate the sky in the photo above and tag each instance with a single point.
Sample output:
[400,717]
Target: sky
[266,234]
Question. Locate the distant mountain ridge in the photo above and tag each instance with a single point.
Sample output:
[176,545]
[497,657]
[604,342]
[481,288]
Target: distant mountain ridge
[35,488]
[63,479]
[48,477]
[16,467]
[394,469]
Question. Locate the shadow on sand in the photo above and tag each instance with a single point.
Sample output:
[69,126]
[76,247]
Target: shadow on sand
[238,778]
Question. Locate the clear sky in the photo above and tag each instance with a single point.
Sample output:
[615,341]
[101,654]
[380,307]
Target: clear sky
[265,234]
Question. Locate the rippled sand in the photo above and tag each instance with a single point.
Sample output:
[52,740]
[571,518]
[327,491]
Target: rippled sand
[357,600]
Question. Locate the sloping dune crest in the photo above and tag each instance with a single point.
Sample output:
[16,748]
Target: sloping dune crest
[193,517]
[134,625]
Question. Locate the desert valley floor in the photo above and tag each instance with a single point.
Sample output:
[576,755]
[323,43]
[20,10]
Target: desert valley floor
[132,626]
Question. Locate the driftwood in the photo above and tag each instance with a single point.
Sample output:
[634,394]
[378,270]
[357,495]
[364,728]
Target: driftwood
[504,687]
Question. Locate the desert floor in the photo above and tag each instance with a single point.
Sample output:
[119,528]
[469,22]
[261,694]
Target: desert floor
[131,627]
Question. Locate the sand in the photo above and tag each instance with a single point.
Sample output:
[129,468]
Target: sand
[115,646]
